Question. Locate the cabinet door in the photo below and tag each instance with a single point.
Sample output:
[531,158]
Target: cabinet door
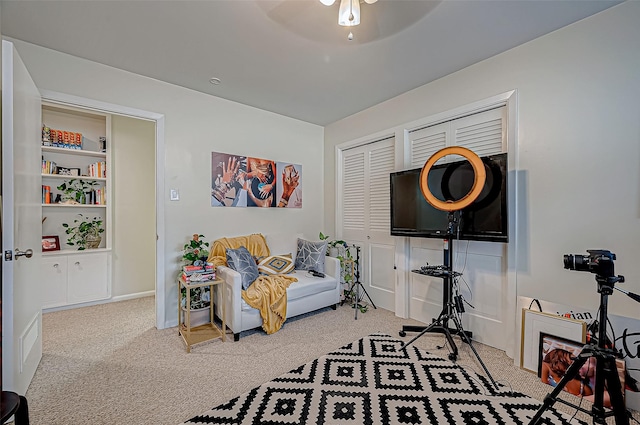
[87,277]
[54,281]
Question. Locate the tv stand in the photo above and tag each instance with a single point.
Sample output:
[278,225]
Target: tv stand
[450,309]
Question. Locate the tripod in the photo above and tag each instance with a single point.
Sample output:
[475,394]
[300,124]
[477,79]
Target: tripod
[605,369]
[451,307]
[356,286]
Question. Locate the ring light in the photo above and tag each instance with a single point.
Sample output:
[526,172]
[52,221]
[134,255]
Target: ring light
[478,179]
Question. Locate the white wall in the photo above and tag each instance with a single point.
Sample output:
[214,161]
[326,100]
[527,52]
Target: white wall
[133,142]
[195,125]
[578,142]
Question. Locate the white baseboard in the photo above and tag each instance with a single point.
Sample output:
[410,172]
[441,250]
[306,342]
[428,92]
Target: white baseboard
[98,302]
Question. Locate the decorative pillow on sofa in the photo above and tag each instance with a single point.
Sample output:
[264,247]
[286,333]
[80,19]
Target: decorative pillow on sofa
[310,255]
[275,264]
[241,261]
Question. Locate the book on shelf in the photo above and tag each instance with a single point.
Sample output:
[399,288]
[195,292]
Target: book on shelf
[46,194]
[48,167]
[189,270]
[61,138]
[198,277]
[97,169]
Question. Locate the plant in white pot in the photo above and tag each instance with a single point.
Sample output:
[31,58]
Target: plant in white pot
[84,232]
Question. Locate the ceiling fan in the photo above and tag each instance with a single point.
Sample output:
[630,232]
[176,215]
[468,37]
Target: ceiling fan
[349,13]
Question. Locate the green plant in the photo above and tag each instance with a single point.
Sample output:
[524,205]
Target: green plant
[75,189]
[196,249]
[348,277]
[349,296]
[83,228]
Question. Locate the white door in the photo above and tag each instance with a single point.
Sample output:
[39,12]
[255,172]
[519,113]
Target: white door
[483,263]
[365,216]
[21,224]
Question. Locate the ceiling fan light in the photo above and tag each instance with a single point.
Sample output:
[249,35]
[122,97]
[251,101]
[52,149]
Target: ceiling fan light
[368,1]
[327,2]
[349,14]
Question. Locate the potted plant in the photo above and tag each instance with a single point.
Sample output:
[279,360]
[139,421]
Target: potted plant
[341,250]
[75,190]
[195,252]
[84,232]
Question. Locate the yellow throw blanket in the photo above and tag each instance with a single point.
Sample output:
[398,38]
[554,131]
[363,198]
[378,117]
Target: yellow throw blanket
[256,244]
[269,295]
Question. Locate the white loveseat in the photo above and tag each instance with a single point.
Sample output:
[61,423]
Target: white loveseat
[309,293]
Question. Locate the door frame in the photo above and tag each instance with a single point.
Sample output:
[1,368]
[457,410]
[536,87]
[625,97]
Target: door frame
[160,290]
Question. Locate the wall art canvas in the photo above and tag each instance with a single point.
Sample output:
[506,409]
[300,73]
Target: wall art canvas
[534,323]
[227,180]
[557,354]
[260,182]
[246,181]
[289,188]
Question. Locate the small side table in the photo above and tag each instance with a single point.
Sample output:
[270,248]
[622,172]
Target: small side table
[208,331]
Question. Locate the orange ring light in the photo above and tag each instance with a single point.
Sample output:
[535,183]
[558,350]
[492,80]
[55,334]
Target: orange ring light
[478,181]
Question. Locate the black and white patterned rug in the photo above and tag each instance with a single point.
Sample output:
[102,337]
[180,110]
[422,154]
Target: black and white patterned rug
[371,381]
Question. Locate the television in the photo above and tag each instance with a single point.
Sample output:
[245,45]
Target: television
[486,219]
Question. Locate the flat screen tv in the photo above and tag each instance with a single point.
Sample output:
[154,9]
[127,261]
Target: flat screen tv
[486,219]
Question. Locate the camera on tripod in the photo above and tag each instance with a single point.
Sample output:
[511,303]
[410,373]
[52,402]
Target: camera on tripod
[599,262]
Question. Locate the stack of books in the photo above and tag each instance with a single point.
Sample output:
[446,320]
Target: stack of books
[202,273]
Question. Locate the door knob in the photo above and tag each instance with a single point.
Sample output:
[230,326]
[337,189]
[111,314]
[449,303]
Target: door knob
[28,253]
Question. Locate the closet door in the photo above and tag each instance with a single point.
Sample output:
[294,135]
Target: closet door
[365,216]
[483,264]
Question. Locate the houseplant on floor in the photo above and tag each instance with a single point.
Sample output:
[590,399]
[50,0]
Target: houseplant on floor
[84,232]
[342,251]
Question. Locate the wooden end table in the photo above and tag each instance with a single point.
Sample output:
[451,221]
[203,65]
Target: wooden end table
[208,331]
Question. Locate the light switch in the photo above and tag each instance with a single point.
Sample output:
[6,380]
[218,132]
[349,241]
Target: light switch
[175,195]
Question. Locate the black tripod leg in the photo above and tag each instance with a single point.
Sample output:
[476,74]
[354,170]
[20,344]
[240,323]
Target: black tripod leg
[465,338]
[551,398]
[437,326]
[424,331]
[614,388]
[367,294]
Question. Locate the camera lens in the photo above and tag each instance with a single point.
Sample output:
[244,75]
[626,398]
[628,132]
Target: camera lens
[576,262]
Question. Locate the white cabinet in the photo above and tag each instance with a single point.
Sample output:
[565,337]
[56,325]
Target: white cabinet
[54,282]
[75,278]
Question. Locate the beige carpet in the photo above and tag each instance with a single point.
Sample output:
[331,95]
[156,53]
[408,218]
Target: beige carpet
[108,364]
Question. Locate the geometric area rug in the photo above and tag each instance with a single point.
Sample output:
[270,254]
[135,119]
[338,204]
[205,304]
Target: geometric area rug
[372,381]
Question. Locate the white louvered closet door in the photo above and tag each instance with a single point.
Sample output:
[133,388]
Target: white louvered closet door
[365,216]
[483,264]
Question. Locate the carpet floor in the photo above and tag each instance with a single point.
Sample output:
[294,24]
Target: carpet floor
[108,364]
[373,381]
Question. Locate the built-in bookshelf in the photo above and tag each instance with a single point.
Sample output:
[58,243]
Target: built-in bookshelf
[75,153]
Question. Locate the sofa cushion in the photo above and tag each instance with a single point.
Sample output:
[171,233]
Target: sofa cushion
[283,243]
[240,260]
[310,255]
[275,264]
[306,285]
[309,285]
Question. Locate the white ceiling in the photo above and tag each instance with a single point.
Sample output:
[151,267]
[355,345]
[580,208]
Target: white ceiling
[290,56]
